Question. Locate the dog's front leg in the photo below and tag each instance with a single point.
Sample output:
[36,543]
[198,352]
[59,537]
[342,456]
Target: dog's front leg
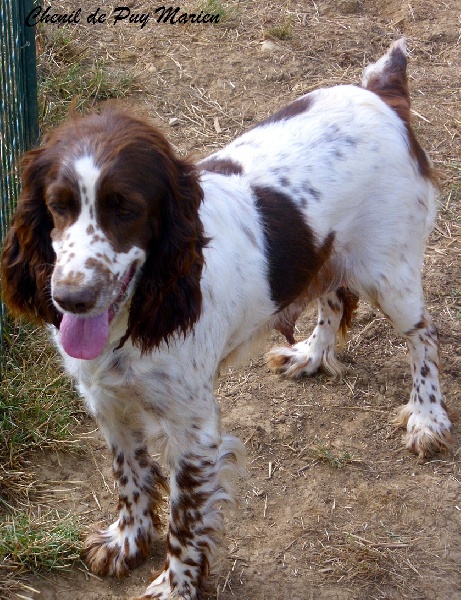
[201,462]
[127,542]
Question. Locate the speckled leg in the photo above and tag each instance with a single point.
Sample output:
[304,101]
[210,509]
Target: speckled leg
[425,417]
[199,486]
[127,542]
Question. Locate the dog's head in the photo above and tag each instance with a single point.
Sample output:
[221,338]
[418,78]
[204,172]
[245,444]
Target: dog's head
[107,215]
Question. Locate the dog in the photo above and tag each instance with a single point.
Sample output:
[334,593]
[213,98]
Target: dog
[152,271]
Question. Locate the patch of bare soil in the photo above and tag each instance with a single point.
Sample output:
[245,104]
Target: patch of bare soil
[334,507]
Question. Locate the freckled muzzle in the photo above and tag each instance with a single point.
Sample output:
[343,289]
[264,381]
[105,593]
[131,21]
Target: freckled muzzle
[83,287]
[84,334]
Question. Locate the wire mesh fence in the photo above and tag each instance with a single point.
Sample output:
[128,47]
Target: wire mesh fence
[19,111]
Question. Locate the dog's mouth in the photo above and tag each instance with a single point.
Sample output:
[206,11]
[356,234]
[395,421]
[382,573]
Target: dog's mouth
[85,337]
[122,294]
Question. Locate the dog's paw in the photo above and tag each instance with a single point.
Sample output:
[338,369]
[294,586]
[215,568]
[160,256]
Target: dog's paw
[428,430]
[167,586]
[304,359]
[115,552]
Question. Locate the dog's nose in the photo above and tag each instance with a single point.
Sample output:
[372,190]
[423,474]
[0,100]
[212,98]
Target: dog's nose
[77,301]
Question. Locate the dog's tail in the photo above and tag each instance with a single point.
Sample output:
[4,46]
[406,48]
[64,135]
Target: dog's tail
[387,78]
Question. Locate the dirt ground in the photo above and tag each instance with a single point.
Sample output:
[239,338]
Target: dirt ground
[334,507]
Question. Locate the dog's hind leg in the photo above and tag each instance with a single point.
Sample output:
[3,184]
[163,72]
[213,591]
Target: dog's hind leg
[308,356]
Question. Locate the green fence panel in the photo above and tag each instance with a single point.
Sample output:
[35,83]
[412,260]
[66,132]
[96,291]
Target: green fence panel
[19,109]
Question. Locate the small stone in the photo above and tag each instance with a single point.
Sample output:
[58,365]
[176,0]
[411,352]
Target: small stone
[269,46]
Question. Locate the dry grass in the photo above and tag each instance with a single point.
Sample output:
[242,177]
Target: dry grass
[383,563]
[69,75]
[389,563]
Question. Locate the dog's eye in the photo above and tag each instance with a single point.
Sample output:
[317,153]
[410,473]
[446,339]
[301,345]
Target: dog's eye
[123,209]
[123,212]
[58,208]
[60,201]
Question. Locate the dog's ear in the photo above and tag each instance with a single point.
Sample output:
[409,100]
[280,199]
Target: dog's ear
[28,257]
[168,297]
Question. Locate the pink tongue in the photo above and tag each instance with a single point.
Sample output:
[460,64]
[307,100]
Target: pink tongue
[84,338]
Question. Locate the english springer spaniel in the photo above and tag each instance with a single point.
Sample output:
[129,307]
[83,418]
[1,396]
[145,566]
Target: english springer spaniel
[153,271]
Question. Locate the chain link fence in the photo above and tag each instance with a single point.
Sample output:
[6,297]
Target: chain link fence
[19,110]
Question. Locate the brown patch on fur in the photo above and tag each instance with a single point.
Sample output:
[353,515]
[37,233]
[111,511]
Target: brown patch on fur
[421,324]
[277,362]
[102,559]
[73,279]
[286,319]
[293,254]
[350,302]
[103,272]
[322,283]
[223,166]
[291,110]
[287,330]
